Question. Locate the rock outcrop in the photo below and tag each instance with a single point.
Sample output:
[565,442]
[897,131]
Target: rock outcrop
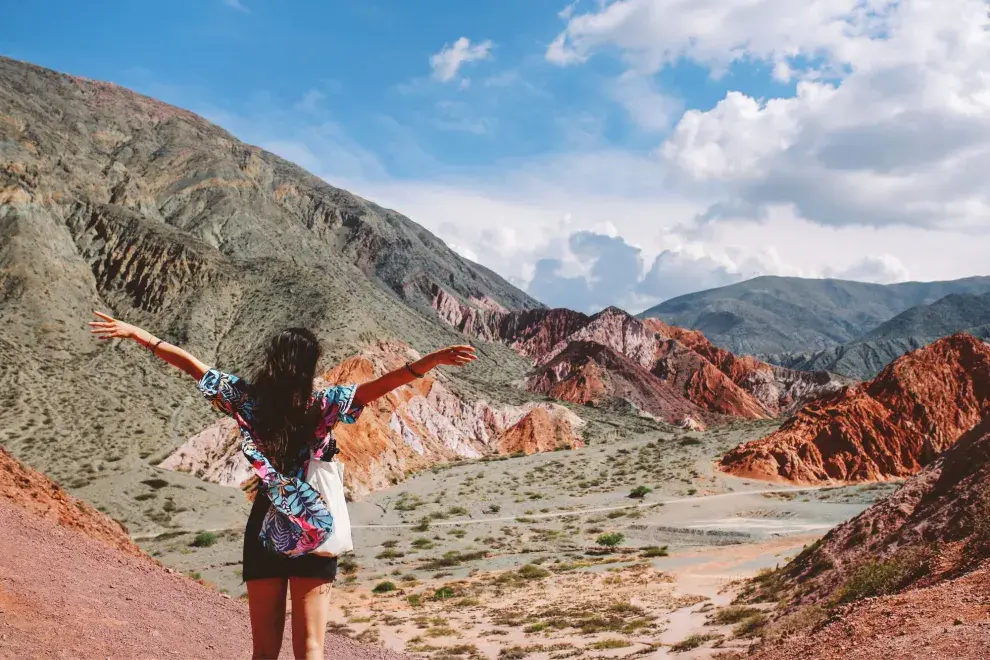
[41,497]
[411,428]
[668,372]
[890,427]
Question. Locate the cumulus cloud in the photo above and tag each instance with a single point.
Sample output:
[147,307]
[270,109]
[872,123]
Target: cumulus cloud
[452,57]
[889,125]
[882,269]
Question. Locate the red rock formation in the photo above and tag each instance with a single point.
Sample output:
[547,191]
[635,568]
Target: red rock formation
[409,429]
[889,427]
[590,373]
[40,496]
[538,431]
[690,368]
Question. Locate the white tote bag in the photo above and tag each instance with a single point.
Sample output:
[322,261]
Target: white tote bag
[327,477]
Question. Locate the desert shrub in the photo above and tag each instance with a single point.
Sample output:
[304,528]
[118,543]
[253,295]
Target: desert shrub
[389,554]
[204,540]
[457,511]
[687,442]
[877,578]
[639,492]
[443,593]
[733,614]
[751,626]
[609,644]
[155,483]
[347,565]
[654,551]
[384,587]
[611,540]
[492,509]
[532,572]
[692,642]
[422,543]
[415,600]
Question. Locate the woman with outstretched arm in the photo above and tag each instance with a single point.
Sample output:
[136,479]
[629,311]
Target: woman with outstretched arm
[284,422]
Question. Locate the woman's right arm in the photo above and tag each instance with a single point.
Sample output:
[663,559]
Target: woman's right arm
[111,328]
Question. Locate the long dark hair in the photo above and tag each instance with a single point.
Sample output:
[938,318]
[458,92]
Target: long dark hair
[281,389]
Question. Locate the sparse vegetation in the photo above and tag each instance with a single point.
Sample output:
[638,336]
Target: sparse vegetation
[654,551]
[692,642]
[384,587]
[204,540]
[639,492]
[611,540]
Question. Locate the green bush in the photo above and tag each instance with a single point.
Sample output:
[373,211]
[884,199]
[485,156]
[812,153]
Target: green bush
[639,492]
[654,551]
[611,540]
[384,587]
[871,579]
[734,614]
[204,540]
[443,593]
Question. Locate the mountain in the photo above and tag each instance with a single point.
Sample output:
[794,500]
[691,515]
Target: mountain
[769,315]
[921,554]
[613,359]
[69,568]
[865,358]
[410,429]
[890,427]
[112,200]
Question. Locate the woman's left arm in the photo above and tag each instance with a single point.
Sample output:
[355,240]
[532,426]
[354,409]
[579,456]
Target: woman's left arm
[454,356]
[111,328]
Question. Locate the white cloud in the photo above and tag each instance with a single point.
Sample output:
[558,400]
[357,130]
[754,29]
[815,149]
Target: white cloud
[451,58]
[648,107]
[235,4]
[654,33]
[882,269]
[890,126]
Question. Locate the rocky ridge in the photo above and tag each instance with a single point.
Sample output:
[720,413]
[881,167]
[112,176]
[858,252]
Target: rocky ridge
[887,428]
[614,359]
[411,428]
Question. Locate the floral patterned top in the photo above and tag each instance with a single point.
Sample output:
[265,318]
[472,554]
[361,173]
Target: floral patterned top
[298,521]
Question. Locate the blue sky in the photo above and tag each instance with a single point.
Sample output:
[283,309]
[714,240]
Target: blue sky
[686,141]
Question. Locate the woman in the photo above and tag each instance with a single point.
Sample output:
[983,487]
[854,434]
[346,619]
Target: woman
[284,421]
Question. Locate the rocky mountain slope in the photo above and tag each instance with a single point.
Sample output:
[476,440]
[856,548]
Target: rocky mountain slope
[921,325]
[72,584]
[111,200]
[769,315]
[613,359]
[411,428]
[924,549]
[889,427]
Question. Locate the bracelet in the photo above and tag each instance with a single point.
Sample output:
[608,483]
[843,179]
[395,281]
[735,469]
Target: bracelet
[409,367]
[155,347]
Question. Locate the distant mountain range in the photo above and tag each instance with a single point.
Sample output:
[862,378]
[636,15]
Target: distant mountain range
[851,328]
[865,358]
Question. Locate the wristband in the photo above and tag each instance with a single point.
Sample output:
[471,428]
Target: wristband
[412,371]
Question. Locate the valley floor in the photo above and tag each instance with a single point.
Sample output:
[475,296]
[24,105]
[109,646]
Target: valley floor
[503,558]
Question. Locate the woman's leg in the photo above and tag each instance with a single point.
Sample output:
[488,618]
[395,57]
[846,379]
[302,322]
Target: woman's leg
[310,613]
[266,602]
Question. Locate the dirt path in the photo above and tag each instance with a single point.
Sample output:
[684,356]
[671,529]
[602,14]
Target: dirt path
[65,595]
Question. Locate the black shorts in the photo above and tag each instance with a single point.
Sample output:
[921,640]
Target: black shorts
[259,563]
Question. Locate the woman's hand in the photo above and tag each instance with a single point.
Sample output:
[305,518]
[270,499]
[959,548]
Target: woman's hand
[111,328]
[454,356]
